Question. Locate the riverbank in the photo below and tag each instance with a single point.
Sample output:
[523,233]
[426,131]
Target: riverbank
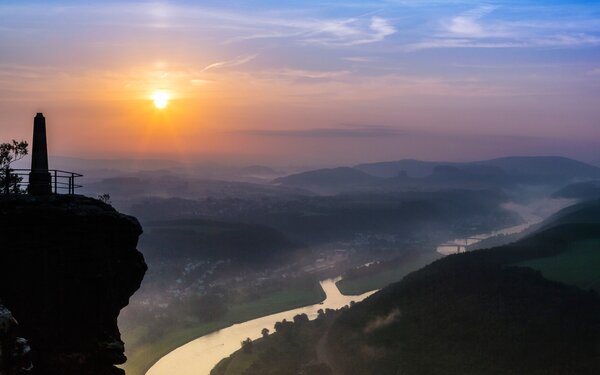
[199,356]
[385,275]
[267,350]
[145,354]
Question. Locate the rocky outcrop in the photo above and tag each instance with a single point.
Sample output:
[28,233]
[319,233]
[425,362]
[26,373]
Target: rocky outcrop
[15,352]
[68,265]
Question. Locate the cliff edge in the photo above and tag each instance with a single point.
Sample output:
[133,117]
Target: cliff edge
[68,265]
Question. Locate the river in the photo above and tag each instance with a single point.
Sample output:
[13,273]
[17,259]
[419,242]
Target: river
[532,213]
[199,356]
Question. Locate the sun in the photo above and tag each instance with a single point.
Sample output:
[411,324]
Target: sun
[161,99]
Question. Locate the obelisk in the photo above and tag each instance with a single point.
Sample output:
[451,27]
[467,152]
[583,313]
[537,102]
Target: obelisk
[39,177]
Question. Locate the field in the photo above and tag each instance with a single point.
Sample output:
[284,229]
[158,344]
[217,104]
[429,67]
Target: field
[144,355]
[579,265]
[384,277]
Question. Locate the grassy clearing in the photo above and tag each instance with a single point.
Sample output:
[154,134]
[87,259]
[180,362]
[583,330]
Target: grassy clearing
[579,265]
[142,355]
[385,277]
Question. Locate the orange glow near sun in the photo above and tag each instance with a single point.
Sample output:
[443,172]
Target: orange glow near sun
[161,99]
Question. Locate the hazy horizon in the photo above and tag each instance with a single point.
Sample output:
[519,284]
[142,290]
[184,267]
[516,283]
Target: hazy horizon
[164,162]
[301,84]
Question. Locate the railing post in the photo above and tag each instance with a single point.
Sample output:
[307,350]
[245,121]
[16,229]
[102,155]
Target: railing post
[55,181]
[72,184]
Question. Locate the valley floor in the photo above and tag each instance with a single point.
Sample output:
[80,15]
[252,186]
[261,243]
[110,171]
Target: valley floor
[146,354]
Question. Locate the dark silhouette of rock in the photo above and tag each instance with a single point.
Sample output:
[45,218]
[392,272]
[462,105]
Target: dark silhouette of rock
[15,352]
[68,265]
[39,177]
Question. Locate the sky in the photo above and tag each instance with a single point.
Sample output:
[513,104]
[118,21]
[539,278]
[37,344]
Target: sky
[304,82]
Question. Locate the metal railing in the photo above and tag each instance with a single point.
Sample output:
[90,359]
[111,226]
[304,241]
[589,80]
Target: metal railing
[60,181]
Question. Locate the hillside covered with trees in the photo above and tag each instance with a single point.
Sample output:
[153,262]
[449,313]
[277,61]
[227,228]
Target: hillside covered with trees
[527,307]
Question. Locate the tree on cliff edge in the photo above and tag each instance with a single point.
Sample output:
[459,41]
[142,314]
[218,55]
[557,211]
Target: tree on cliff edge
[10,153]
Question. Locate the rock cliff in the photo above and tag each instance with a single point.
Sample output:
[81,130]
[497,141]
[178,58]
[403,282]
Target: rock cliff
[68,265]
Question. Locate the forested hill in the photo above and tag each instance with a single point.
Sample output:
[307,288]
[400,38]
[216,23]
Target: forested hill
[329,180]
[406,175]
[209,239]
[486,312]
[583,212]
[531,307]
[580,190]
[554,166]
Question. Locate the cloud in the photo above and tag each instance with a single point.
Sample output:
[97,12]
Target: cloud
[313,74]
[358,59]
[468,23]
[566,40]
[350,31]
[381,28]
[382,321]
[522,24]
[468,30]
[361,131]
[553,41]
[239,60]
[262,35]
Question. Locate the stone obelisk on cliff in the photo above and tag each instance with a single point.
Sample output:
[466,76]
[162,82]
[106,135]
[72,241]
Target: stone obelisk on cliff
[39,177]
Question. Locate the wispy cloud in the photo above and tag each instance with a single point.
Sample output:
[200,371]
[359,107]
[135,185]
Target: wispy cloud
[554,41]
[362,59]
[382,321]
[313,74]
[481,27]
[322,31]
[359,131]
[468,23]
[237,61]
[350,32]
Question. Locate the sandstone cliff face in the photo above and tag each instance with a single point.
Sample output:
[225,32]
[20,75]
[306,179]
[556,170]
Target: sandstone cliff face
[68,265]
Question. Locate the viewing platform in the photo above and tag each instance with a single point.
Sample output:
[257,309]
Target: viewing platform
[61,182]
[38,180]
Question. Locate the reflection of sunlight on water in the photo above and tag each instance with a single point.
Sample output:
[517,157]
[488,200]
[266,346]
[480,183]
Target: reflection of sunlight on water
[198,357]
[532,214]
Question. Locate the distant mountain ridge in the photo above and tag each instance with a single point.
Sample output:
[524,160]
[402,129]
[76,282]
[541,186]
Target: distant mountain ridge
[417,174]
[329,178]
[547,165]
[412,167]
